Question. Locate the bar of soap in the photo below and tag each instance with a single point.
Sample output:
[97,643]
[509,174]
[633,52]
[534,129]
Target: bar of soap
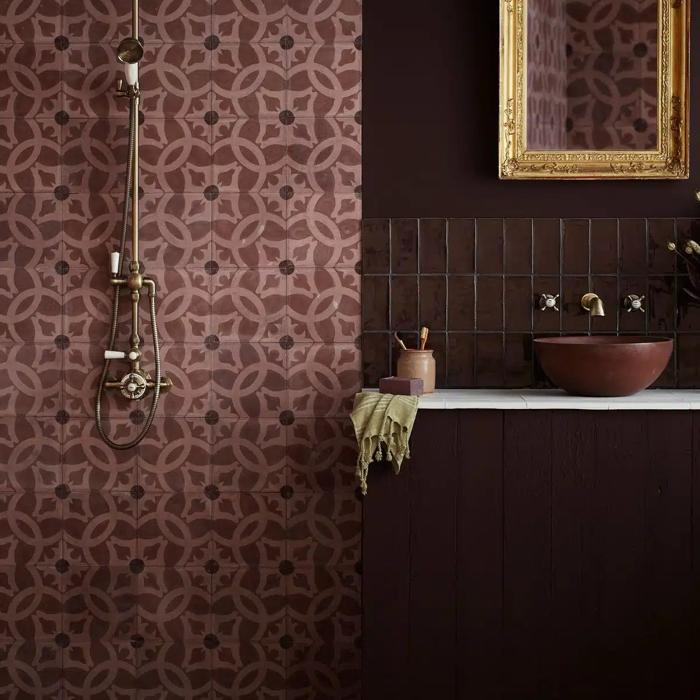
[399,385]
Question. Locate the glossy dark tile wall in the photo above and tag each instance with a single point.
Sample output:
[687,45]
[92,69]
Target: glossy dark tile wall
[476,284]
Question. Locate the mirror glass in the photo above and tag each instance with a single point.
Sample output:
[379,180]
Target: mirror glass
[592,75]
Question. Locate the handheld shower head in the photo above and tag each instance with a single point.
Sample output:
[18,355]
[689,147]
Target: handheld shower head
[130,50]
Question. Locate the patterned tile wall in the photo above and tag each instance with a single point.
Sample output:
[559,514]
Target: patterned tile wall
[221,557]
[476,284]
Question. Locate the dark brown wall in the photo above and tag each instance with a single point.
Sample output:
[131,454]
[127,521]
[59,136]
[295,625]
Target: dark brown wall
[430,125]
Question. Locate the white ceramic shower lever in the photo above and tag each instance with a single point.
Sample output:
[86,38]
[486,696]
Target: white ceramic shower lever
[114,262]
[114,355]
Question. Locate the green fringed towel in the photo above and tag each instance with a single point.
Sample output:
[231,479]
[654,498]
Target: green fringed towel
[383,424]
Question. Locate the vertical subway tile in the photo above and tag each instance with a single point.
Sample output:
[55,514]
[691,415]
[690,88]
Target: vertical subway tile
[575,246]
[489,360]
[404,245]
[548,320]
[375,303]
[518,304]
[375,245]
[661,259]
[404,303]
[633,246]
[433,302]
[437,342]
[518,246]
[688,351]
[489,303]
[517,360]
[460,360]
[433,246]
[604,249]
[376,357]
[461,239]
[633,321]
[668,379]
[461,311]
[489,245]
[606,288]
[661,304]
[574,318]
[546,234]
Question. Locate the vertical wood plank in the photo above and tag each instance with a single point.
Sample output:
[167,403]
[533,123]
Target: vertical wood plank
[527,554]
[573,566]
[432,472]
[479,554]
[667,578]
[385,585]
[622,458]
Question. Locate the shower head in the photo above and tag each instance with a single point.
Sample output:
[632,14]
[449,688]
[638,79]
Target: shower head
[130,50]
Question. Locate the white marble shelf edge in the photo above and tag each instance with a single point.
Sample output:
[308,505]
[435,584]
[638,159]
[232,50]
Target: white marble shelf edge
[518,399]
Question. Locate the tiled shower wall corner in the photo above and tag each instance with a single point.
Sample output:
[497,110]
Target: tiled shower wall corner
[476,284]
[220,558]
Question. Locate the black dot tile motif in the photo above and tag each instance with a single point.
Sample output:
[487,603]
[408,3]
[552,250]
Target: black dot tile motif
[62,417]
[287,117]
[286,492]
[61,342]
[287,417]
[211,118]
[286,192]
[286,342]
[211,342]
[286,642]
[62,118]
[61,43]
[358,117]
[286,267]
[137,416]
[211,42]
[62,267]
[211,491]
[286,567]
[142,119]
[211,641]
[136,566]
[358,42]
[640,125]
[358,192]
[136,641]
[211,567]
[62,566]
[211,192]
[640,49]
[137,491]
[62,640]
[61,193]
[211,417]
[62,491]
[211,267]
[358,268]
[286,42]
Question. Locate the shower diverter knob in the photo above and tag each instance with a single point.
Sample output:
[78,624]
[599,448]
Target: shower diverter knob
[114,262]
[114,355]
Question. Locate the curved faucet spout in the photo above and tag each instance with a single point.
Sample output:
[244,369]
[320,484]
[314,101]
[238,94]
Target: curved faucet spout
[592,303]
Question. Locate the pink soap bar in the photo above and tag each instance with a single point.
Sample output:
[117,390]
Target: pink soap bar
[399,385]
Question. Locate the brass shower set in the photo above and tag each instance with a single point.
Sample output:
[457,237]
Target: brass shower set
[136,382]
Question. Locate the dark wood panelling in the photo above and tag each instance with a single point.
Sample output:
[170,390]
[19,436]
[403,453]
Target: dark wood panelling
[536,554]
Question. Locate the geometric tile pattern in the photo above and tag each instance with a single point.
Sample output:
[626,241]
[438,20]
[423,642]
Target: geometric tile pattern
[219,558]
[476,284]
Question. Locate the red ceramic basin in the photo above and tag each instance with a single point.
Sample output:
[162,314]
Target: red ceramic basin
[603,365]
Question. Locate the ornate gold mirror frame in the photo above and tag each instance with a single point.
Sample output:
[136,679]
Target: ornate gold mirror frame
[669,161]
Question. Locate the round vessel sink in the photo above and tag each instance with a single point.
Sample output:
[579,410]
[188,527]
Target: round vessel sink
[603,365]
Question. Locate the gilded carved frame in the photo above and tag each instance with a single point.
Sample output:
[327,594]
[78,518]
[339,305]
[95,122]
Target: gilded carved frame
[669,161]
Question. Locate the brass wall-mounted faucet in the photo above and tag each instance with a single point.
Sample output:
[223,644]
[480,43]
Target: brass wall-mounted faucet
[592,303]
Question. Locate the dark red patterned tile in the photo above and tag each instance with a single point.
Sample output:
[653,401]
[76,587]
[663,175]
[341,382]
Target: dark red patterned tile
[177,669]
[91,230]
[249,305]
[249,530]
[243,22]
[249,381]
[95,22]
[30,22]
[34,666]
[30,155]
[99,667]
[174,529]
[230,662]
[31,377]
[341,676]
[248,456]
[308,21]
[249,80]
[31,78]
[249,230]
[323,379]
[179,21]
[324,230]
[175,456]
[30,452]
[324,305]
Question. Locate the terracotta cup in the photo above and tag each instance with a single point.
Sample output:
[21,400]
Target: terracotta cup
[418,364]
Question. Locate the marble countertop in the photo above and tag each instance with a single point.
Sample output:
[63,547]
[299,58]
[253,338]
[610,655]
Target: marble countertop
[519,399]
